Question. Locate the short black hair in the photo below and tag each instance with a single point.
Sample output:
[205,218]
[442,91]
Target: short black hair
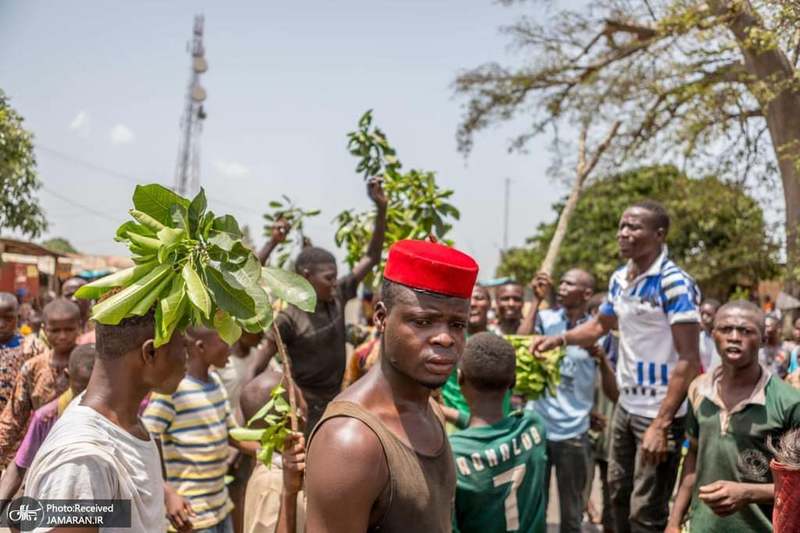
[311,257]
[660,216]
[712,302]
[488,363]
[62,307]
[82,358]
[748,307]
[114,341]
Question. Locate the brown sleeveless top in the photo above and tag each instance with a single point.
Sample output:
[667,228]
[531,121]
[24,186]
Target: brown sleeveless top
[421,491]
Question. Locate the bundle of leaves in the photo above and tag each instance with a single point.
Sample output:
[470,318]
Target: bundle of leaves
[295,217]
[190,264]
[417,206]
[536,375]
[275,416]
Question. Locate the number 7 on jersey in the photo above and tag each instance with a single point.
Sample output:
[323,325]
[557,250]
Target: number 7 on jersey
[515,477]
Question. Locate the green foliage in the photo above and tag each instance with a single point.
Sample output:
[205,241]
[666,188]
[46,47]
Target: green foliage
[295,218]
[19,207]
[718,232]
[60,244]
[536,376]
[275,414]
[417,206]
[193,267]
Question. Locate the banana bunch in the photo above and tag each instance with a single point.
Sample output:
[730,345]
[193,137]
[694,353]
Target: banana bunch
[535,375]
[189,264]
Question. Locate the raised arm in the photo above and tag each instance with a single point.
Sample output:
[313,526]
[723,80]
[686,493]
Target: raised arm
[608,378]
[344,477]
[542,285]
[373,257]
[277,235]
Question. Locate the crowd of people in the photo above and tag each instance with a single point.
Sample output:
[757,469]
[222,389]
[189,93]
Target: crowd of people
[668,400]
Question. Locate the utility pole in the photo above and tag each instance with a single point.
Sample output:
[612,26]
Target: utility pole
[505,215]
[187,171]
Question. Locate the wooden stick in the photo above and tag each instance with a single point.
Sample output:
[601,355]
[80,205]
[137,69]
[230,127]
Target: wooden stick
[287,372]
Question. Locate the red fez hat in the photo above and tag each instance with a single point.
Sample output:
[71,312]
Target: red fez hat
[432,267]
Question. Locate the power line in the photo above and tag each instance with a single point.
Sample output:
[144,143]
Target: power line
[127,177]
[86,208]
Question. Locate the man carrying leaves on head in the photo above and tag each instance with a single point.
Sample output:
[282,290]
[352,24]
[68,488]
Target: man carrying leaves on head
[316,341]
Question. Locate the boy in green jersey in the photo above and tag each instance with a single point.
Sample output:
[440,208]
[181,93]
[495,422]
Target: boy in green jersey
[500,460]
[733,412]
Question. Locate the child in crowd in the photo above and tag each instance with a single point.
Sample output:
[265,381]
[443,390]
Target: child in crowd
[500,460]
[191,428]
[81,362]
[733,412]
[41,378]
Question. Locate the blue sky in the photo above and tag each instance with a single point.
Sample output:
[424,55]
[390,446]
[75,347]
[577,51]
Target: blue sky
[104,82]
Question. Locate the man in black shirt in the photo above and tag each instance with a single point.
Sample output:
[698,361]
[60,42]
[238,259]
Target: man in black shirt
[316,341]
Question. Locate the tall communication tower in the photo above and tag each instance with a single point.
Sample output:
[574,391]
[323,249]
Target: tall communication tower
[187,171]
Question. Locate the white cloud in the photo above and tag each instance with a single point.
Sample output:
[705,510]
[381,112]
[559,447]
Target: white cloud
[121,134]
[80,124]
[231,169]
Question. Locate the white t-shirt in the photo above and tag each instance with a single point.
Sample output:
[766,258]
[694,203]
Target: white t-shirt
[86,457]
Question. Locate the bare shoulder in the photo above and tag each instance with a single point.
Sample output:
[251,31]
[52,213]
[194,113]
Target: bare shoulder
[345,476]
[343,438]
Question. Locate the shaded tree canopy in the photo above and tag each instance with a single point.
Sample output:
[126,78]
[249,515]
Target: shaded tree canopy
[711,85]
[718,232]
[60,244]
[19,207]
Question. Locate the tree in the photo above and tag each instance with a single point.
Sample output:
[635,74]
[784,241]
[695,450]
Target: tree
[19,207]
[712,83]
[60,244]
[718,232]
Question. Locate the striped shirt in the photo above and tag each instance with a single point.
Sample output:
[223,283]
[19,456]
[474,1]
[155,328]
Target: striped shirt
[193,424]
[646,308]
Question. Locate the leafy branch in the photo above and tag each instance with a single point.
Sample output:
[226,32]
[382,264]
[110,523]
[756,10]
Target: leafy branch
[417,206]
[295,218]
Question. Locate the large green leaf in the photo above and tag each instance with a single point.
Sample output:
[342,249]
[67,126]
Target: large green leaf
[227,224]
[232,299]
[196,210]
[97,288]
[227,327]
[245,434]
[156,201]
[289,287]
[117,307]
[147,301]
[196,290]
[247,276]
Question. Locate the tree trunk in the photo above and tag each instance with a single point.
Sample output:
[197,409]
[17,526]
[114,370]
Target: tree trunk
[583,171]
[782,112]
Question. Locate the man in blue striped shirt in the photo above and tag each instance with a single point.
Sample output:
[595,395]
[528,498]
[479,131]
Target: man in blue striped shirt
[654,304]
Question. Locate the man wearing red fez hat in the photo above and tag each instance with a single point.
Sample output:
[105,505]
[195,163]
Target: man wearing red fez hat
[380,456]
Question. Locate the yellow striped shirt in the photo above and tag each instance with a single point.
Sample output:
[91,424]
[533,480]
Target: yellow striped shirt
[193,424]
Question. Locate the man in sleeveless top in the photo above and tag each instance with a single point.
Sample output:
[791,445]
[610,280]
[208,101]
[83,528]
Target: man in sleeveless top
[379,459]
[501,461]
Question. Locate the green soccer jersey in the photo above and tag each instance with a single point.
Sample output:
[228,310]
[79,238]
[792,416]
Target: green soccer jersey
[501,473]
[732,445]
